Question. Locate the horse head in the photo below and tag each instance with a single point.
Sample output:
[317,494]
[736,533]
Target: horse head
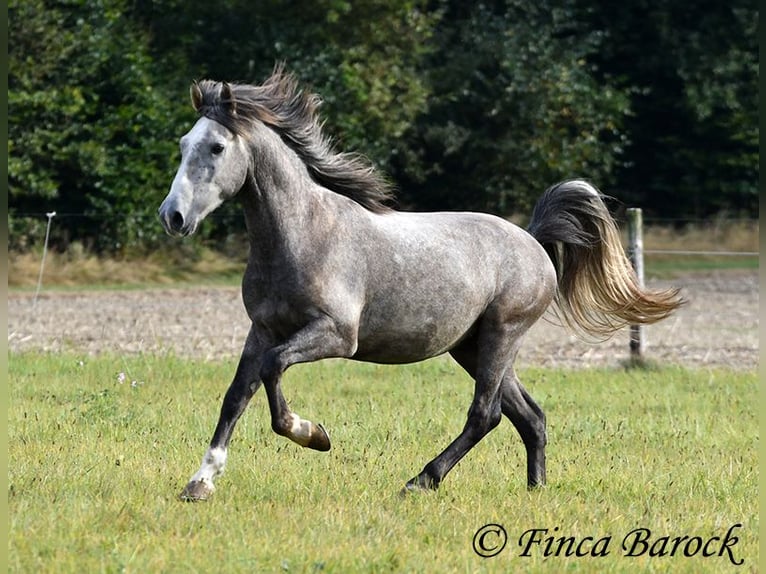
[214,163]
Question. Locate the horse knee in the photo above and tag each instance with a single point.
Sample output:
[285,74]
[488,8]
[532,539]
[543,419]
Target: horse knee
[481,420]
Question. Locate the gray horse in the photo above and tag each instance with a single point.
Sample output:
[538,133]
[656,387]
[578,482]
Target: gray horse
[334,272]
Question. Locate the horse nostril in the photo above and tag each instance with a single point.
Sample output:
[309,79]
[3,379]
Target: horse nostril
[176,221]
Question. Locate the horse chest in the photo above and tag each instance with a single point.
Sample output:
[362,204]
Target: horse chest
[275,318]
[277,314]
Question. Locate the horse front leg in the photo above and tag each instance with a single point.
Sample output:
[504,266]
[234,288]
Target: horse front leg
[244,385]
[322,338]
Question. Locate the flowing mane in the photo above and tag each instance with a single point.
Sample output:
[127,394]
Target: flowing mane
[292,113]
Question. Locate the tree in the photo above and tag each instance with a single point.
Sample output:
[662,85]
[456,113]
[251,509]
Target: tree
[362,57]
[514,108]
[89,133]
[466,105]
[692,72]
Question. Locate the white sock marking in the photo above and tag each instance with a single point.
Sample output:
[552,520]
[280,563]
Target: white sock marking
[300,430]
[213,464]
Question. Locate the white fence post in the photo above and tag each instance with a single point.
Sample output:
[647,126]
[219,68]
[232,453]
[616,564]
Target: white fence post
[50,215]
[636,255]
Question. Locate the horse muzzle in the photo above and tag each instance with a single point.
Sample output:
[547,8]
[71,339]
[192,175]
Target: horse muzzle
[174,222]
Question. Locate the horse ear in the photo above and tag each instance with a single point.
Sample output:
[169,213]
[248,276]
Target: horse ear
[227,99]
[196,96]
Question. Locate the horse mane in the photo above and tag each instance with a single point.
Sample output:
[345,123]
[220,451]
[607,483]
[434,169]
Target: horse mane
[292,113]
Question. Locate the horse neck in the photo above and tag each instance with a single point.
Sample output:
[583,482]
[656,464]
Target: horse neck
[279,197]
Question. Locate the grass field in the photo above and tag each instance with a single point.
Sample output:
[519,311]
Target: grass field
[96,464]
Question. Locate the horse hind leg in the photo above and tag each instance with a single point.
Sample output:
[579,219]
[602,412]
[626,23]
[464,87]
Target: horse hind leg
[529,420]
[519,407]
[483,416]
[486,358]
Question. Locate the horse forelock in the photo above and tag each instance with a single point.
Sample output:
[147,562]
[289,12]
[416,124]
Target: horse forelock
[293,114]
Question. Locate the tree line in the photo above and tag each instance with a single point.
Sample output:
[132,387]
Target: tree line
[465,105]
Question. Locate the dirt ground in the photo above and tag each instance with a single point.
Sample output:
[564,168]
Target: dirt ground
[718,327]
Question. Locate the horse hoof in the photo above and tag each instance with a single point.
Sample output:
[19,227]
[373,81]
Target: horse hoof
[417,485]
[319,440]
[196,491]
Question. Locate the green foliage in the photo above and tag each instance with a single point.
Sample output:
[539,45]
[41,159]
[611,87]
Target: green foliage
[96,464]
[364,58]
[89,134]
[693,147]
[514,109]
[374,82]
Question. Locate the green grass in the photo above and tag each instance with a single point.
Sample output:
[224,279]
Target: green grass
[95,467]
[666,266]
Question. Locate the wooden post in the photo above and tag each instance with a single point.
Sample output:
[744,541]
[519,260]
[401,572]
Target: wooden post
[636,255]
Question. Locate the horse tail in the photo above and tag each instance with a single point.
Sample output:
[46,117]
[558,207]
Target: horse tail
[598,291]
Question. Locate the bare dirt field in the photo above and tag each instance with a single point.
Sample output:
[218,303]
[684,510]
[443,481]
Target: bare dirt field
[718,326]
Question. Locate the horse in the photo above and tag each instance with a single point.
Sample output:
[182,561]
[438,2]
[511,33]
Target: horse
[334,271]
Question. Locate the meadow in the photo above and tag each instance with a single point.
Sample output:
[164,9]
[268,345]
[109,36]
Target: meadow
[100,447]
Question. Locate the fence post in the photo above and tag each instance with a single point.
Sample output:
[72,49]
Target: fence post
[636,255]
[50,215]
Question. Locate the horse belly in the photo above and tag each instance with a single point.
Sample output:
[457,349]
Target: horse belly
[404,333]
[398,348]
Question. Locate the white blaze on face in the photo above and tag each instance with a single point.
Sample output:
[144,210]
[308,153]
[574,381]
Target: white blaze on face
[213,168]
[182,189]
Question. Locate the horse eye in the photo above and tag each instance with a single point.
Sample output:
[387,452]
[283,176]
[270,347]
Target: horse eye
[216,149]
